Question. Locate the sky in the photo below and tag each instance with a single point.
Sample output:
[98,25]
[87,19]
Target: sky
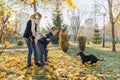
[48,11]
[81,5]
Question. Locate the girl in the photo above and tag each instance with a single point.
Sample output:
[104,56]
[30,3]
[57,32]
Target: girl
[31,35]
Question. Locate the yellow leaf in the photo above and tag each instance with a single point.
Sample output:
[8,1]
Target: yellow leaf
[36,72]
[7,43]
[17,24]
[28,78]
[71,4]
[20,72]
[48,76]
[1,12]
[14,32]
[11,26]
[53,3]
[2,74]
[113,75]
[74,6]
[45,2]
[91,78]
[76,78]
[77,74]
[54,66]
[55,12]
[21,78]
[70,75]
[32,68]
[32,1]
[50,64]
[12,64]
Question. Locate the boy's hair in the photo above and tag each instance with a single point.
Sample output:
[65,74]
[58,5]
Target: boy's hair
[54,29]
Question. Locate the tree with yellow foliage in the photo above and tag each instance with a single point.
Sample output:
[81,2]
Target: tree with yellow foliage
[34,3]
[6,28]
[6,44]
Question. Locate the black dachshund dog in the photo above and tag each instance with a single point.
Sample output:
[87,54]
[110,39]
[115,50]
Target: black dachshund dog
[88,58]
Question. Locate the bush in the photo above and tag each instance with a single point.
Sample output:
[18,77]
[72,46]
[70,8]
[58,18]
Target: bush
[63,41]
[20,42]
[88,41]
[97,37]
[82,42]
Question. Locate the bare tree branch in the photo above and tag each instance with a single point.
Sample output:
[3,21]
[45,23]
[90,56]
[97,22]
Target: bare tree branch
[117,18]
[111,2]
[6,19]
[105,9]
[102,4]
[117,6]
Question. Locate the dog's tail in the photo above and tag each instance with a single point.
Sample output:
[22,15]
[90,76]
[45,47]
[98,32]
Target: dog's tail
[100,59]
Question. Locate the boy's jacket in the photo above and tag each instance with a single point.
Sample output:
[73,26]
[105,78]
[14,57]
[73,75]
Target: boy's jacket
[43,39]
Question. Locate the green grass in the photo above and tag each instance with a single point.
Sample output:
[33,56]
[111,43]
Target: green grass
[110,65]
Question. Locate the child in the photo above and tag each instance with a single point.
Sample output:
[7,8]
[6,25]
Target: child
[43,42]
[32,32]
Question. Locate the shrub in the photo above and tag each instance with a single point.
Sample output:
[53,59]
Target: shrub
[82,42]
[63,41]
[88,41]
[97,37]
[20,42]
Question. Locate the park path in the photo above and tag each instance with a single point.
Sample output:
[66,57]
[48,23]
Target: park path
[25,49]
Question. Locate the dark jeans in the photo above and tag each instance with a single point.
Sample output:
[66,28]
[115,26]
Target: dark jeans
[31,47]
[43,52]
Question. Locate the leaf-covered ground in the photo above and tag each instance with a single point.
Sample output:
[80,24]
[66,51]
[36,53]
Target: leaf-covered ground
[62,66]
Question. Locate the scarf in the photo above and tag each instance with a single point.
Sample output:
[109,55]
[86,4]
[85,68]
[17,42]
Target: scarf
[37,33]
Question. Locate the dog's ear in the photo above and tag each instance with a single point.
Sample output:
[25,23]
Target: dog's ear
[78,54]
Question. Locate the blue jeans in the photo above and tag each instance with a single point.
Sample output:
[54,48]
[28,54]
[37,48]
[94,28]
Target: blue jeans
[31,47]
[43,52]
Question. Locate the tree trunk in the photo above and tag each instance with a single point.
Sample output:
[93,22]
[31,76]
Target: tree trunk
[1,36]
[35,7]
[38,49]
[113,38]
[1,32]
[74,39]
[112,23]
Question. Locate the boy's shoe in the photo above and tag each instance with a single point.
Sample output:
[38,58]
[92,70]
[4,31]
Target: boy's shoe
[38,64]
[47,61]
[29,65]
[42,63]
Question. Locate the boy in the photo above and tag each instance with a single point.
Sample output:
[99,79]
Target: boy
[43,42]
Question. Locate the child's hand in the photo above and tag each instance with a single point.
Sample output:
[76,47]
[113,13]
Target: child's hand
[36,41]
[47,49]
[48,39]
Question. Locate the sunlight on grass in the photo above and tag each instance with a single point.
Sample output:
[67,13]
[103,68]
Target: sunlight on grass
[108,46]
